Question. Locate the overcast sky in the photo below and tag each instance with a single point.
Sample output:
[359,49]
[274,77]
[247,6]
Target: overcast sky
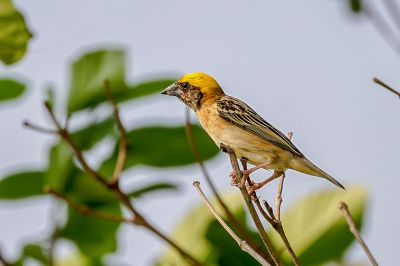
[304,65]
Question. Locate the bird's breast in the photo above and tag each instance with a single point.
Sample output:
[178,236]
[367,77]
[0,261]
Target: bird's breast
[246,144]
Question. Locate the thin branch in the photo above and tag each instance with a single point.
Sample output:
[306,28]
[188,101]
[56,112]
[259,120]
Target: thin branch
[85,210]
[394,11]
[353,229]
[241,243]
[227,211]
[383,84]
[267,242]
[138,219]
[382,26]
[39,128]
[270,216]
[123,145]
[278,197]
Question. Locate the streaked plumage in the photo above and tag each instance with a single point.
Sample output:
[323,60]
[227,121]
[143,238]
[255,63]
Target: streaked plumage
[232,122]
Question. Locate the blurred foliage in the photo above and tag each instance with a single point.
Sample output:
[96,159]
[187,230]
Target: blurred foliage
[21,185]
[154,146]
[355,5]
[316,229]
[14,34]
[314,226]
[10,89]
[88,75]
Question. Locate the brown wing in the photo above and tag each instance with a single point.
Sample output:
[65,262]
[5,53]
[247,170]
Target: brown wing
[240,114]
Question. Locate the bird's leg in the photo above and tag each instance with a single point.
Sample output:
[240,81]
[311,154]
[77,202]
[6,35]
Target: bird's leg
[256,186]
[246,174]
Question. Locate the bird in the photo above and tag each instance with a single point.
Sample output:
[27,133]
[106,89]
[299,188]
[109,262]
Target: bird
[232,123]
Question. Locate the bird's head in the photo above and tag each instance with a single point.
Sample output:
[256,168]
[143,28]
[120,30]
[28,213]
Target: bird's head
[194,89]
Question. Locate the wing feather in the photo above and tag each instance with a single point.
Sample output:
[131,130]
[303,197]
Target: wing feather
[240,114]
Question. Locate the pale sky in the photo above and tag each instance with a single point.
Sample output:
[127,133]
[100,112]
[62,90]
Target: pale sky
[304,65]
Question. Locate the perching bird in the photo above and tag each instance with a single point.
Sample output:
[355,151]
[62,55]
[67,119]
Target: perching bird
[229,121]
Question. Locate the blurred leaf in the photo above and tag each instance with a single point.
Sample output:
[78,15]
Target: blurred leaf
[355,5]
[227,250]
[10,89]
[192,230]
[83,188]
[162,147]
[21,185]
[151,188]
[36,252]
[89,136]
[143,89]
[315,227]
[94,237]
[88,75]
[50,96]
[60,167]
[14,34]
[76,259]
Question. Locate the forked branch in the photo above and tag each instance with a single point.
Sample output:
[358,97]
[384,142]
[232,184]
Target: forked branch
[241,243]
[253,213]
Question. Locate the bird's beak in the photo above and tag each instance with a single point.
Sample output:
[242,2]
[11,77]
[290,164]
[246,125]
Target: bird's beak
[171,90]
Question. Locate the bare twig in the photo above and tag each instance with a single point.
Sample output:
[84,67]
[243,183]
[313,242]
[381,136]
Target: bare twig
[39,128]
[253,213]
[123,145]
[242,244]
[383,84]
[278,197]
[353,229]
[394,11]
[227,211]
[85,210]
[381,25]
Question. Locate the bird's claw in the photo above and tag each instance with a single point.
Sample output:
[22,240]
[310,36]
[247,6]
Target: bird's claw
[234,178]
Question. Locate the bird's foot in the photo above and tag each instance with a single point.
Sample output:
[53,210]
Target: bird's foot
[254,185]
[235,181]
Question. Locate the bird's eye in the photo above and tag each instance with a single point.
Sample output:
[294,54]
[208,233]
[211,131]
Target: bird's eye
[185,85]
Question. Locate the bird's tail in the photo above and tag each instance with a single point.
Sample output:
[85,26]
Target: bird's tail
[305,166]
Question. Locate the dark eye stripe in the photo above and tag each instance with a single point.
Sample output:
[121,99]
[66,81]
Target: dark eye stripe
[185,85]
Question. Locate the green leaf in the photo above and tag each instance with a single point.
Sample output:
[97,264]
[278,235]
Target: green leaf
[87,137]
[84,188]
[138,192]
[144,89]
[94,237]
[192,233]
[315,227]
[60,168]
[355,5]
[227,250]
[88,75]
[14,34]
[162,147]
[35,252]
[21,185]
[10,89]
